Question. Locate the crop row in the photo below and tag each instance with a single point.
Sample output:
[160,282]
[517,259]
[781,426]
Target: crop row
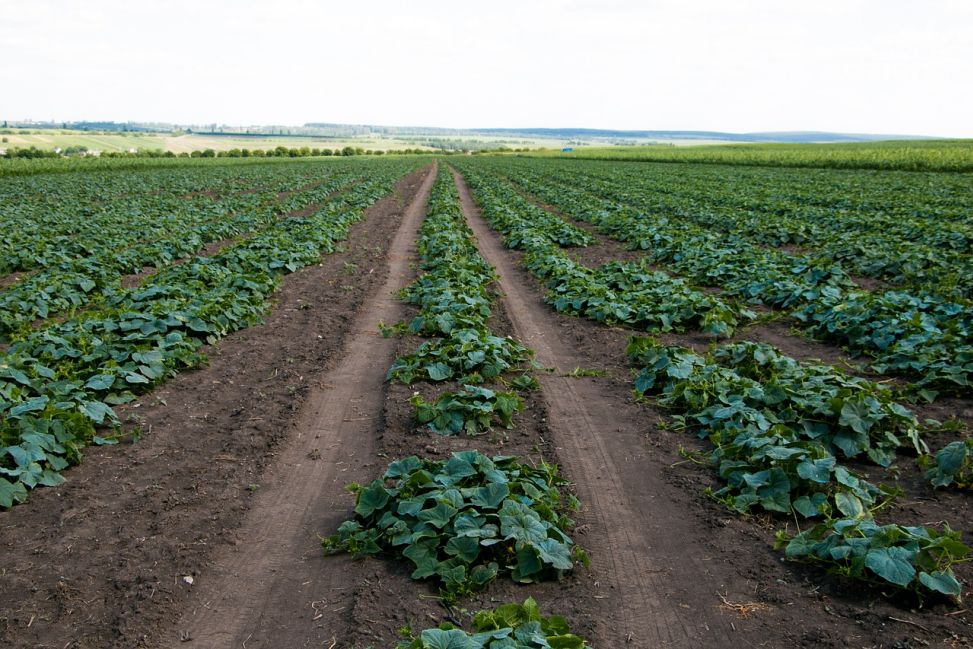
[781,431]
[35,234]
[466,521]
[454,298]
[57,385]
[893,155]
[96,277]
[628,294]
[900,245]
[917,335]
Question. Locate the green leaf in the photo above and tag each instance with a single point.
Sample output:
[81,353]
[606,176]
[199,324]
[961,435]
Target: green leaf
[371,499]
[816,470]
[944,582]
[100,382]
[438,371]
[464,547]
[893,564]
[439,516]
[856,416]
[31,405]
[520,523]
[423,555]
[849,504]
[452,639]
[567,641]
[556,554]
[490,496]
[11,493]
[96,411]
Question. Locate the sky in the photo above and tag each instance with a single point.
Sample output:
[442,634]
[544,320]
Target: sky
[853,66]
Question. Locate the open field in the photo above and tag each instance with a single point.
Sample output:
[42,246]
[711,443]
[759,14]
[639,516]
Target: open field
[724,403]
[914,155]
[188,142]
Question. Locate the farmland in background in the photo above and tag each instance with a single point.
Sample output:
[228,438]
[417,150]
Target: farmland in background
[915,155]
[48,139]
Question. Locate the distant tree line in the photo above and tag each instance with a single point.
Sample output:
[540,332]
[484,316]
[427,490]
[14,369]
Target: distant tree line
[279,152]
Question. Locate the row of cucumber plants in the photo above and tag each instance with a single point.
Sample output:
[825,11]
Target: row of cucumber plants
[781,431]
[465,521]
[94,278]
[44,196]
[627,294]
[36,234]
[902,245]
[922,336]
[779,428]
[511,626]
[454,296]
[57,385]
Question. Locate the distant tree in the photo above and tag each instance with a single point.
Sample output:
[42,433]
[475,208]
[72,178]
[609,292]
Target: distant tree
[326,152]
[348,150]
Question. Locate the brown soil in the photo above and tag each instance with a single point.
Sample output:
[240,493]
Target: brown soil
[681,569]
[204,532]
[603,251]
[12,278]
[649,584]
[269,590]
[314,207]
[216,247]
[871,283]
[208,193]
[101,561]
[209,250]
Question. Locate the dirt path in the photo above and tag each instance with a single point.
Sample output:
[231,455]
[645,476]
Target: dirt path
[99,561]
[638,538]
[263,592]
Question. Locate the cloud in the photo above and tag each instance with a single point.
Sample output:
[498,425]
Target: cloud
[850,65]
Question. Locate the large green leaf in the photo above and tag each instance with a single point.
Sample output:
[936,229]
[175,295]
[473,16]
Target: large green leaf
[453,639]
[892,564]
[372,498]
[490,496]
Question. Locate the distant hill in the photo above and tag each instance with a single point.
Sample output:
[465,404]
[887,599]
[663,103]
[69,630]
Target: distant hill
[609,134]
[789,136]
[332,130]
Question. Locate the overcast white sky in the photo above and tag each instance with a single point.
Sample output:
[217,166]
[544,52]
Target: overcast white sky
[865,66]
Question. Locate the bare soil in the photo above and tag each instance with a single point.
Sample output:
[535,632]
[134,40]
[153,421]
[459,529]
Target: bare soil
[719,580]
[102,561]
[13,278]
[204,533]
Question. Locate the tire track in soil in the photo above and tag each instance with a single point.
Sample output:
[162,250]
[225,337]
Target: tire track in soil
[274,589]
[645,547]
